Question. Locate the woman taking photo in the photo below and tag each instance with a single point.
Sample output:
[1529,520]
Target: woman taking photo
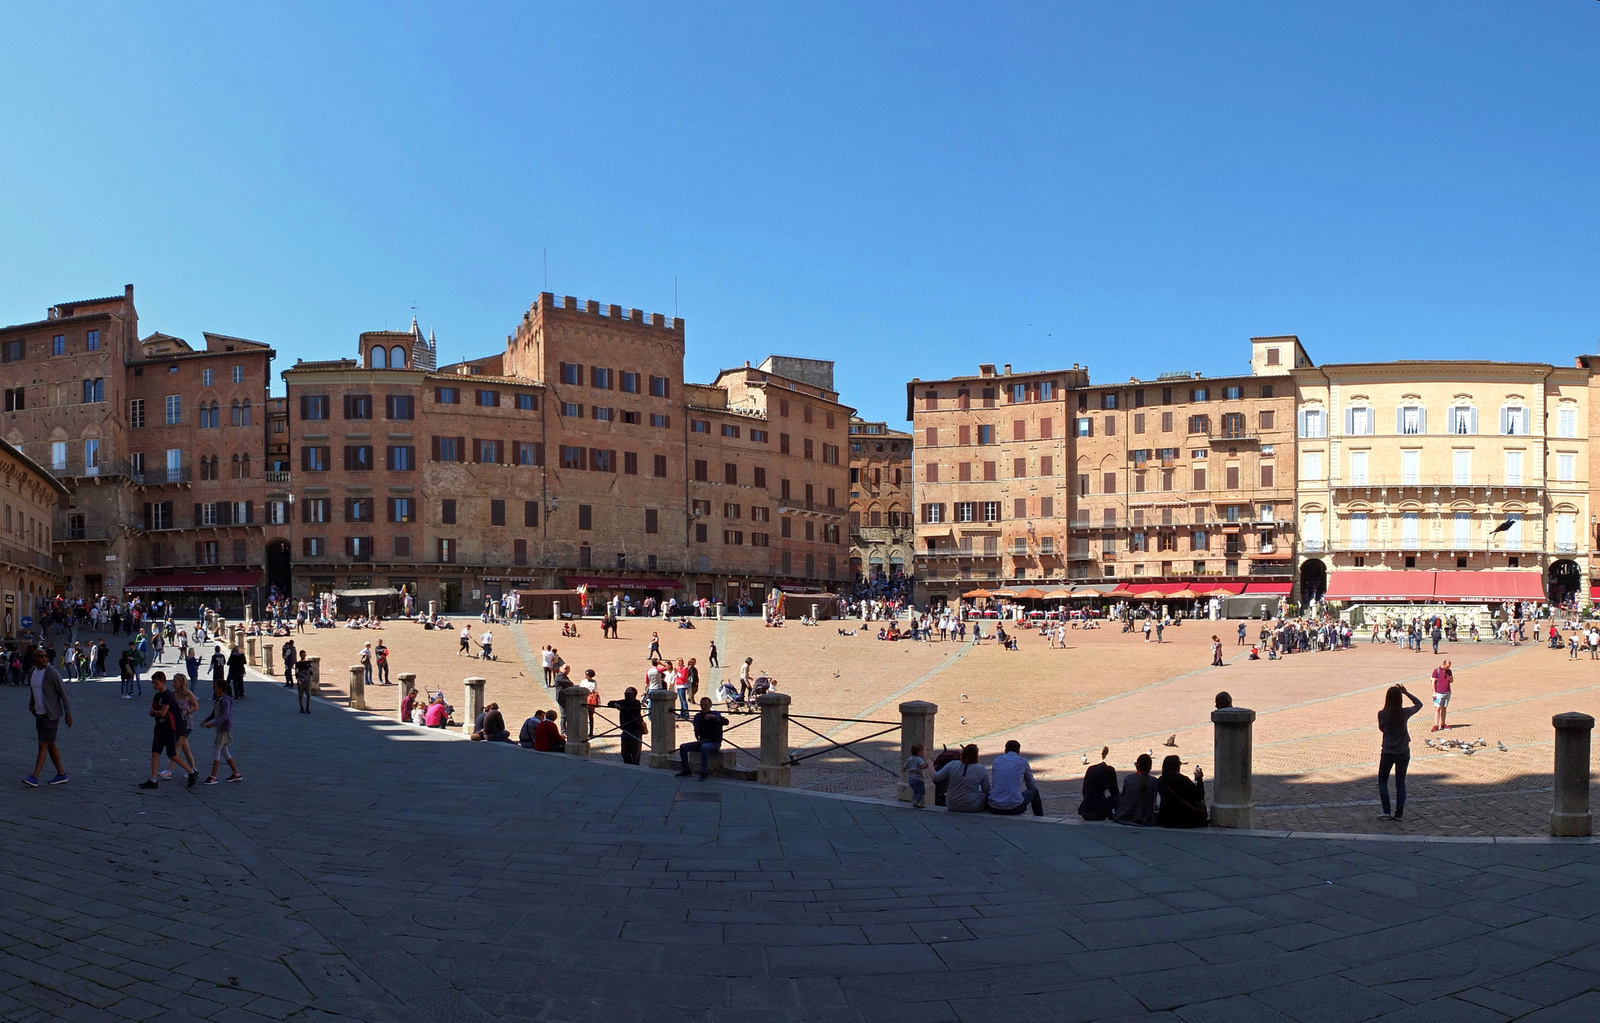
[1393,722]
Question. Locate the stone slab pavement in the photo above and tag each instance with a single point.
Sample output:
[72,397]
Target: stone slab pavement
[366,870]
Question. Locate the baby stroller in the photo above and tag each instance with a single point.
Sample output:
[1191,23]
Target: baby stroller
[728,696]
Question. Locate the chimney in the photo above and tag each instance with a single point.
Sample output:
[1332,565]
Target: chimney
[1008,369]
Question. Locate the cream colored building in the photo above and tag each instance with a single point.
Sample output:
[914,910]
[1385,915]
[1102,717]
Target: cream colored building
[1473,477]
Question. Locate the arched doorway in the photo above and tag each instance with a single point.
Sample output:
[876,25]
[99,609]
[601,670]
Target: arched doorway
[279,573]
[1565,580]
[1313,580]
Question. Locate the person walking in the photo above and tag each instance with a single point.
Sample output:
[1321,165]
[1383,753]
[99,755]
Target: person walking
[302,679]
[382,653]
[1395,754]
[1241,635]
[289,656]
[654,654]
[466,641]
[185,703]
[680,686]
[1443,681]
[711,660]
[1216,652]
[164,711]
[221,720]
[218,664]
[48,703]
[125,665]
[236,666]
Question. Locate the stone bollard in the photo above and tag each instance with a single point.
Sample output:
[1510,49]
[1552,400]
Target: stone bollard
[1233,803]
[555,610]
[252,651]
[372,609]
[575,719]
[916,729]
[408,685]
[663,727]
[813,612]
[474,701]
[358,687]
[433,608]
[316,675]
[719,610]
[774,768]
[1570,818]
[266,658]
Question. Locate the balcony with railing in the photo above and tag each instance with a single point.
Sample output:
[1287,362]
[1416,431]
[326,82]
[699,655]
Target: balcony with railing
[78,468]
[162,477]
[277,477]
[23,558]
[1474,481]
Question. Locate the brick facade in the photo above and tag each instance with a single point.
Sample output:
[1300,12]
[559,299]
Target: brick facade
[882,523]
[579,453]
[162,447]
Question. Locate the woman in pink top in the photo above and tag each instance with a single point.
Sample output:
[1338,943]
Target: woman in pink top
[680,682]
[436,715]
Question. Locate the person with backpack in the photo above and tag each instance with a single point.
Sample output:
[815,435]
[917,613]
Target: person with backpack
[236,666]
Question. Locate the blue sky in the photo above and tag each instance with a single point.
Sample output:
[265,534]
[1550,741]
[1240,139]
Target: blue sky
[909,189]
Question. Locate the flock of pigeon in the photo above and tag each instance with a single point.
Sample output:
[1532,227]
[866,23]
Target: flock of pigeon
[1462,745]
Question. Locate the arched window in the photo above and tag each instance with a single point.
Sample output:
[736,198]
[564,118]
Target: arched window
[244,467]
[378,357]
[397,358]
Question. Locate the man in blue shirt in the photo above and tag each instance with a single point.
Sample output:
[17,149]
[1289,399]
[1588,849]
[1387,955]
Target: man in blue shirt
[1011,787]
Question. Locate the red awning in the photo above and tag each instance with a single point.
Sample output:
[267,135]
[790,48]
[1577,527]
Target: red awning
[1489,585]
[1233,588]
[194,582]
[1380,585]
[1265,589]
[622,584]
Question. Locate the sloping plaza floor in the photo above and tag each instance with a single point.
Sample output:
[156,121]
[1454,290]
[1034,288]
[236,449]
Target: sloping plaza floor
[1316,737]
[368,871]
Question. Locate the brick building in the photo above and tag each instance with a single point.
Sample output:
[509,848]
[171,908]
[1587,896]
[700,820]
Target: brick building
[1043,479]
[29,570]
[578,456]
[882,526]
[161,446]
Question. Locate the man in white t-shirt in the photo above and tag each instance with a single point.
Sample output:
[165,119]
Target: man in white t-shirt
[547,660]
[47,700]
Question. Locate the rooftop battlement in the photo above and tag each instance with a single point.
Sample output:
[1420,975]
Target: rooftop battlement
[547,304]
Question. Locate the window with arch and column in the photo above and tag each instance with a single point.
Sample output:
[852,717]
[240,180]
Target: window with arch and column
[397,357]
[378,357]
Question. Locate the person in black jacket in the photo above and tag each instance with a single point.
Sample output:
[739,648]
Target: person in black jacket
[1099,790]
[1183,802]
[236,663]
[630,719]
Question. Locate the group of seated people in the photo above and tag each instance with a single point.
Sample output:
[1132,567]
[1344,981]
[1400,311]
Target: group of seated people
[430,712]
[541,732]
[1170,800]
[363,622]
[569,630]
[891,633]
[969,787]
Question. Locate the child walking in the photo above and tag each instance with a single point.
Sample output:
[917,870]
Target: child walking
[221,719]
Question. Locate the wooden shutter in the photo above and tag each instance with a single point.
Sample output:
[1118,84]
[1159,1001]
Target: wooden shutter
[249,512]
[391,510]
[197,517]
[461,448]
[305,406]
[436,449]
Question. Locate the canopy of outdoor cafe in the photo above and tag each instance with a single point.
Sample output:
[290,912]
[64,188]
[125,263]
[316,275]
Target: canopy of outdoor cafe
[974,594]
[1032,593]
